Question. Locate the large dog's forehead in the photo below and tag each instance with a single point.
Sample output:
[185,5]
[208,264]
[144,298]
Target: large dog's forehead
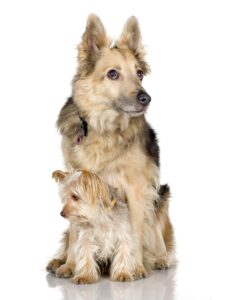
[117,59]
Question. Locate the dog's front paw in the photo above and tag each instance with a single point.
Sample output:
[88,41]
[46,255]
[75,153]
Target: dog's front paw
[65,271]
[84,279]
[122,276]
[54,264]
[161,264]
[139,272]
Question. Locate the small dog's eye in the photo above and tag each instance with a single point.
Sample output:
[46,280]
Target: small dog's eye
[113,74]
[75,198]
[140,74]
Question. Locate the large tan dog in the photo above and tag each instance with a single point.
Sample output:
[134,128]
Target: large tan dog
[104,130]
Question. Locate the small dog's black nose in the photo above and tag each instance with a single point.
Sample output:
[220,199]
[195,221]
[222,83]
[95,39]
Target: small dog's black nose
[143,98]
[62,213]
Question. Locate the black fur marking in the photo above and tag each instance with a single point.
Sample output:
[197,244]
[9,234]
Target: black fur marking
[68,120]
[104,267]
[70,123]
[164,193]
[68,102]
[164,189]
[83,126]
[151,144]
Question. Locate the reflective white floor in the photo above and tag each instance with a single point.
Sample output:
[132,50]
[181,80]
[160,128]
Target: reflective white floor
[160,286]
[174,284]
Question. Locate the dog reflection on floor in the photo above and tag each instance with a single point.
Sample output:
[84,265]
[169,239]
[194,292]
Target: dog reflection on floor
[160,286]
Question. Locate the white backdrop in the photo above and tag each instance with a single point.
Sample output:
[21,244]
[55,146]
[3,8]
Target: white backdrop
[187,50]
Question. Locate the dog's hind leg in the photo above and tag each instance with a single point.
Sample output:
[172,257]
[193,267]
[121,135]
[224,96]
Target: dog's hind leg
[166,226]
[159,254]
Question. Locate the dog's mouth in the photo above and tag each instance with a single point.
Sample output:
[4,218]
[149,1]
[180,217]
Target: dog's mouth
[131,107]
[134,113]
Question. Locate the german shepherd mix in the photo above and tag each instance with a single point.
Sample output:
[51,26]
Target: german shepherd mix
[104,131]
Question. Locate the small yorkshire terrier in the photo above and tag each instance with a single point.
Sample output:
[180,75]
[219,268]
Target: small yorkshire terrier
[100,230]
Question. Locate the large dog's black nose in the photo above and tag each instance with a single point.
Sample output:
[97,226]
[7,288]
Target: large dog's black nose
[143,98]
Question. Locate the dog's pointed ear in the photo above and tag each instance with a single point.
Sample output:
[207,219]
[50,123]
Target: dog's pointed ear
[59,175]
[93,40]
[131,39]
[131,36]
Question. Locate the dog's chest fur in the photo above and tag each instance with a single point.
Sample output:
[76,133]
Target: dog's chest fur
[111,230]
[96,151]
[120,157]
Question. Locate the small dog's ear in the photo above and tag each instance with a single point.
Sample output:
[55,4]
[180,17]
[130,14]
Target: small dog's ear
[93,40]
[98,192]
[59,175]
[131,36]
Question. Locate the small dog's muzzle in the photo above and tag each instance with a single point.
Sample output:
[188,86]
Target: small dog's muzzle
[62,213]
[143,98]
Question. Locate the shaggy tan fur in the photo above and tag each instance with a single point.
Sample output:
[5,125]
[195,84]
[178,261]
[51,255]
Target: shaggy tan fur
[120,147]
[102,233]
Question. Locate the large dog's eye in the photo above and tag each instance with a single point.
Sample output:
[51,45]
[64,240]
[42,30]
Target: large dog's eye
[75,197]
[113,74]
[140,74]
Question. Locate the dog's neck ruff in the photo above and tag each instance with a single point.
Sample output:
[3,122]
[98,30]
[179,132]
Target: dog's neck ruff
[82,131]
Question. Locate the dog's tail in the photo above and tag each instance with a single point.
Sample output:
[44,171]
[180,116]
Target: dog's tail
[163,200]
